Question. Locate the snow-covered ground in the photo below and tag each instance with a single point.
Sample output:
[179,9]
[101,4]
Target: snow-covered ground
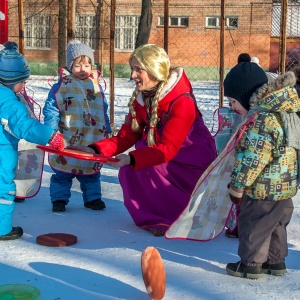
[105,263]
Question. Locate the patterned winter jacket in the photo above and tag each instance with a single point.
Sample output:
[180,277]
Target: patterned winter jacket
[265,167]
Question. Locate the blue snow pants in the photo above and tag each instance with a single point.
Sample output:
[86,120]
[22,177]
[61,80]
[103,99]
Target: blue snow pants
[8,162]
[61,183]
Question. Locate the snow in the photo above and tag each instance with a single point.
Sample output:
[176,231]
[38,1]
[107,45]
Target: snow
[105,263]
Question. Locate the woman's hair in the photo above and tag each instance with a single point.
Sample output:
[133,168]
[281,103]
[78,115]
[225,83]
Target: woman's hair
[155,61]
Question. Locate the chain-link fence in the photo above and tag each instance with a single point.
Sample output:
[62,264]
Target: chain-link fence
[194,32]
[205,38]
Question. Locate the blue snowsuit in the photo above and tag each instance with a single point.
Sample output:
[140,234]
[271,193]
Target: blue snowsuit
[15,125]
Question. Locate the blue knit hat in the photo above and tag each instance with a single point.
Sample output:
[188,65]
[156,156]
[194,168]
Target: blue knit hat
[243,80]
[75,49]
[13,66]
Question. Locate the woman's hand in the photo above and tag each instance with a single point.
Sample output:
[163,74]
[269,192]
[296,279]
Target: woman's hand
[82,148]
[124,160]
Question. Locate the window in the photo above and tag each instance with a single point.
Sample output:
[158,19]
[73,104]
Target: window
[37,31]
[231,22]
[290,1]
[293,21]
[175,21]
[85,29]
[215,22]
[126,29]
[212,22]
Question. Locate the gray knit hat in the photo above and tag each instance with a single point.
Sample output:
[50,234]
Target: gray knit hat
[13,65]
[242,81]
[75,49]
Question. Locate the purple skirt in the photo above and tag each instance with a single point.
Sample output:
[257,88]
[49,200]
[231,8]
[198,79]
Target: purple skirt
[156,196]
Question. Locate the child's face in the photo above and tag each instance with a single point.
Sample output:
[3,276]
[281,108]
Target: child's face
[237,107]
[19,87]
[81,68]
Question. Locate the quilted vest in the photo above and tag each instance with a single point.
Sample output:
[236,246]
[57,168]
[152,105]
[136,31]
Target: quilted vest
[30,162]
[82,119]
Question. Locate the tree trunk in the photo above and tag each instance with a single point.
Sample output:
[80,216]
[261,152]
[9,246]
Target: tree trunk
[145,23]
[62,33]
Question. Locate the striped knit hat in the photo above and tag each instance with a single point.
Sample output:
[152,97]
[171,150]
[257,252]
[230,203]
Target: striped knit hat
[13,66]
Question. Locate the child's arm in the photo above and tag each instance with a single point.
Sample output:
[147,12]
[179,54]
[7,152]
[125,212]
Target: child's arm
[19,125]
[50,110]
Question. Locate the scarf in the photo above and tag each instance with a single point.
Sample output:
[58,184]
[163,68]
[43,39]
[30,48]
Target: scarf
[148,97]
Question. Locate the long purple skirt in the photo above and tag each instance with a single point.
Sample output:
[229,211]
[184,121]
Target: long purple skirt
[155,196]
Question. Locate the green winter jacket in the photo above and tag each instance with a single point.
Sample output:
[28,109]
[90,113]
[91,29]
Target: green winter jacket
[265,167]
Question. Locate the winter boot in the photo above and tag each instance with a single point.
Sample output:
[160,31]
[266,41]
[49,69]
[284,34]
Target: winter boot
[274,269]
[97,204]
[59,205]
[239,269]
[15,233]
[19,199]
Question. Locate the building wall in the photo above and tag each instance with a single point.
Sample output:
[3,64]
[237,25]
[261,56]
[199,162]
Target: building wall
[195,45]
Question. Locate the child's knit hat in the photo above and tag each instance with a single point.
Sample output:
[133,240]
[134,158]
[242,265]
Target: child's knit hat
[13,65]
[75,49]
[242,81]
[255,59]
[244,57]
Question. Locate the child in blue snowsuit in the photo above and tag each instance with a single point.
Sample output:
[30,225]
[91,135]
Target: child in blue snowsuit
[77,107]
[15,125]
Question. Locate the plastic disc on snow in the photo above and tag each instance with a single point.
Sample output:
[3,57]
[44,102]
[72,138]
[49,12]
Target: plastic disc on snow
[56,239]
[18,292]
[153,272]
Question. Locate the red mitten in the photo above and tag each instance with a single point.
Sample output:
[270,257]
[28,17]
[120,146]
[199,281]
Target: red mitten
[56,141]
[235,194]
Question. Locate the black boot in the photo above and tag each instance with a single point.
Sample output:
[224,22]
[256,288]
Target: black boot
[59,205]
[274,269]
[97,204]
[15,233]
[19,199]
[241,270]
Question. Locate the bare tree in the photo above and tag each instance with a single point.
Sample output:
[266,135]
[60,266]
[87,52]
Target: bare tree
[62,32]
[145,23]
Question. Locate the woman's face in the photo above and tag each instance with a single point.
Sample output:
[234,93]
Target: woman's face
[143,80]
[237,107]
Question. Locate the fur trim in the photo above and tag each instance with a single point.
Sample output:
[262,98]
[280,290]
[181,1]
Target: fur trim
[175,75]
[288,79]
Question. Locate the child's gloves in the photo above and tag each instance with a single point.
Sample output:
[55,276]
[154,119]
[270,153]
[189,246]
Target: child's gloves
[56,141]
[235,194]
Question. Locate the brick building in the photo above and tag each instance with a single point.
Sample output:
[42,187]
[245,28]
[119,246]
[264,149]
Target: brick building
[193,33]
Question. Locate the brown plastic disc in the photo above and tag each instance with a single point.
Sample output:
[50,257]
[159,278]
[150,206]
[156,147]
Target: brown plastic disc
[56,239]
[153,272]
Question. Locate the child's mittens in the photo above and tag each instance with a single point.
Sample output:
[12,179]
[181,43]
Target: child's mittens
[235,194]
[56,141]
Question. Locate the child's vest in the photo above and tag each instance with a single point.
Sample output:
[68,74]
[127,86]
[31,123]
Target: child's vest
[30,159]
[206,214]
[228,123]
[82,119]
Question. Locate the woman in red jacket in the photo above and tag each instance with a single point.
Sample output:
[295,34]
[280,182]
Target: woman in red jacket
[173,147]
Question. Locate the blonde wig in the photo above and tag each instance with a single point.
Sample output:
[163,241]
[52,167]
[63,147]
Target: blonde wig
[155,61]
